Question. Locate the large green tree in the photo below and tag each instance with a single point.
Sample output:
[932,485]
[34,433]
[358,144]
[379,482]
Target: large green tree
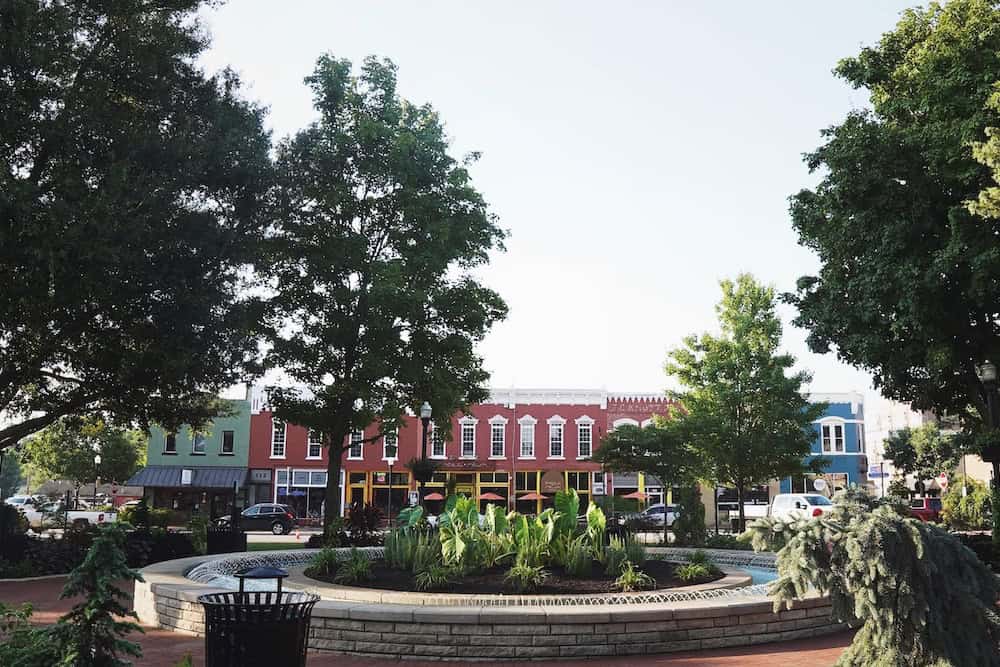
[10,474]
[744,408]
[924,451]
[131,203]
[378,227]
[903,220]
[65,450]
[663,449]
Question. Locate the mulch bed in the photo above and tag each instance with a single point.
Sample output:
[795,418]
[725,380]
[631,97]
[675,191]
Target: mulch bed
[492,581]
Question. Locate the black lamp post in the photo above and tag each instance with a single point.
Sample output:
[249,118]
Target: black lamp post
[987,373]
[97,475]
[425,420]
[390,455]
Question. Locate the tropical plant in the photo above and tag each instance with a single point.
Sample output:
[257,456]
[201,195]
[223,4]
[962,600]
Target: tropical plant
[533,537]
[567,506]
[427,552]
[411,517]
[615,557]
[724,541]
[460,534]
[357,568]
[362,524]
[325,563]
[578,558]
[692,571]
[634,579]
[635,551]
[596,531]
[699,557]
[526,578]
[434,577]
[93,632]
[399,549]
[919,596]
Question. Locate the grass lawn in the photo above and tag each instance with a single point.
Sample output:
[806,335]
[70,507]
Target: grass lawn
[275,546]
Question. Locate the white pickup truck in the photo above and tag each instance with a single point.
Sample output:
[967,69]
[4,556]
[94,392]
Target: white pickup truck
[52,515]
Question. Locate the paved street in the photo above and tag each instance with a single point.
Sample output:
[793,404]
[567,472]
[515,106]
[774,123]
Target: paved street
[164,649]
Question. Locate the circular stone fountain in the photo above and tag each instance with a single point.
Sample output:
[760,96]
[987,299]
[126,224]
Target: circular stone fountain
[732,611]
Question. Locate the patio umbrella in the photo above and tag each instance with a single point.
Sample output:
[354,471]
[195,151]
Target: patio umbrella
[636,495]
[490,496]
[434,496]
[532,496]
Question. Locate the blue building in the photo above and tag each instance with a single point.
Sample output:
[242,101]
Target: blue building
[840,437]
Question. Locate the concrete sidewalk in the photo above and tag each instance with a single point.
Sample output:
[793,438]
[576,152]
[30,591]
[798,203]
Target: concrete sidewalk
[162,648]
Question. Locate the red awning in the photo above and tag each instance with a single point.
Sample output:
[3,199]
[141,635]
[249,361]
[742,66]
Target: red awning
[490,496]
[532,496]
[434,496]
[636,495]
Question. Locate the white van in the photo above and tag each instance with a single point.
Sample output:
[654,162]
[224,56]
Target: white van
[799,505]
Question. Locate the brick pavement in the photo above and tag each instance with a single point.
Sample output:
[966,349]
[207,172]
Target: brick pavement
[162,648]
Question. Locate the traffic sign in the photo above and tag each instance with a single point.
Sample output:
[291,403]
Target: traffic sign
[877,471]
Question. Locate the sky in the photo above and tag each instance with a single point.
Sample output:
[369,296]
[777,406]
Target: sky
[637,152]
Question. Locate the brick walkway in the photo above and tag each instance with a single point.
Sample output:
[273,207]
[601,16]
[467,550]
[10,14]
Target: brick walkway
[164,649]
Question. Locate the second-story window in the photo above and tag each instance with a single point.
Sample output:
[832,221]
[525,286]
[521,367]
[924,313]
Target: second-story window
[437,442]
[527,439]
[228,442]
[170,443]
[497,439]
[198,443]
[556,438]
[833,437]
[278,440]
[314,449]
[469,440]
[390,445]
[356,450]
[585,438]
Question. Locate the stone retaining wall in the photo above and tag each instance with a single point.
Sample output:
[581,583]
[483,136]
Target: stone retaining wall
[466,633]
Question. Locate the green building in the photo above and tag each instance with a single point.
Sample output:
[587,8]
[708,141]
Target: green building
[194,472]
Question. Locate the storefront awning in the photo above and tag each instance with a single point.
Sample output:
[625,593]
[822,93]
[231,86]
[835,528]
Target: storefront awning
[200,478]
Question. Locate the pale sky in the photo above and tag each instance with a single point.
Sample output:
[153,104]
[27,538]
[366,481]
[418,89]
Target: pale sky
[637,152]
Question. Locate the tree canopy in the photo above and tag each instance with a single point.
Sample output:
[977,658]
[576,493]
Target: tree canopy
[924,452]
[743,406]
[65,451]
[131,202]
[908,283]
[378,230]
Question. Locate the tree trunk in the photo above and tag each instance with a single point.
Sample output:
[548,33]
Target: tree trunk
[331,510]
[739,499]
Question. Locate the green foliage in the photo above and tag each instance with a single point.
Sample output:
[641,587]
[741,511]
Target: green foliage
[411,517]
[692,572]
[597,528]
[534,537]
[635,551]
[969,512]
[10,476]
[199,534]
[186,661]
[699,557]
[924,452]
[23,644]
[689,526]
[615,557]
[427,552]
[93,632]
[399,549]
[12,522]
[634,579]
[724,541]
[325,563]
[66,449]
[377,231]
[133,200]
[525,577]
[356,569]
[567,506]
[745,411]
[919,596]
[897,488]
[435,576]
[578,558]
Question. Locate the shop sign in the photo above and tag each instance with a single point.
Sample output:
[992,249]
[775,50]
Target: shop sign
[380,478]
[261,476]
[414,497]
[552,481]
[186,475]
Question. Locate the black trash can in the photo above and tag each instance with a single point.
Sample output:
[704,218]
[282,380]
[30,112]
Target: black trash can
[250,628]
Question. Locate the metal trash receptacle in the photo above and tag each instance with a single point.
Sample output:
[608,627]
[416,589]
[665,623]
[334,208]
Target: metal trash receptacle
[249,628]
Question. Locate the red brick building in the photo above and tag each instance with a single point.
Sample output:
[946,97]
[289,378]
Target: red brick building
[521,442]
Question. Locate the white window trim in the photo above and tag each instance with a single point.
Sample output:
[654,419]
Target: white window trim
[431,429]
[463,422]
[831,422]
[582,422]
[556,420]
[499,420]
[526,420]
[222,443]
[395,434]
[624,421]
[309,442]
[194,442]
[284,442]
[646,422]
[350,439]
[166,437]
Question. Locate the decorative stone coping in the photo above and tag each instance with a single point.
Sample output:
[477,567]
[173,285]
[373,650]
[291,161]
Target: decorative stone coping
[543,627]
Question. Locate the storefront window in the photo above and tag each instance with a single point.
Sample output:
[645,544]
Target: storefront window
[307,493]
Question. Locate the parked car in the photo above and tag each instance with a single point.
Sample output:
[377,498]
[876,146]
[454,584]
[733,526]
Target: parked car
[279,519]
[655,515]
[799,505]
[20,501]
[926,509]
[54,515]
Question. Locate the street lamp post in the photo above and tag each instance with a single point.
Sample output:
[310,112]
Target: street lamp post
[97,474]
[390,455]
[987,373]
[425,420]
